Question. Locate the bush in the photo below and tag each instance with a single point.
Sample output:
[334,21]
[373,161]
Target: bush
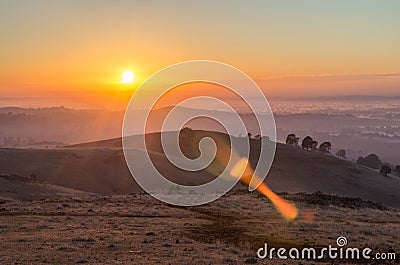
[385,170]
[325,147]
[371,161]
[291,139]
[341,153]
[307,143]
[314,145]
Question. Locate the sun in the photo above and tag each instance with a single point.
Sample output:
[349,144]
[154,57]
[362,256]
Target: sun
[127,77]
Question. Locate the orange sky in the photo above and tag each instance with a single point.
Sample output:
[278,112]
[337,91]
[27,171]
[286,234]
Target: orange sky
[73,52]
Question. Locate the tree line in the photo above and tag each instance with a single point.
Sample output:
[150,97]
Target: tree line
[371,161]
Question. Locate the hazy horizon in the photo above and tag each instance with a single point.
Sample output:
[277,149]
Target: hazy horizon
[71,103]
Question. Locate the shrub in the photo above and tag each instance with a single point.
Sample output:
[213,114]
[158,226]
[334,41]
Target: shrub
[325,147]
[371,161]
[385,170]
[341,153]
[307,143]
[291,139]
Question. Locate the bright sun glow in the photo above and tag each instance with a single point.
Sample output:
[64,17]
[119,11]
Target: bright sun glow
[127,77]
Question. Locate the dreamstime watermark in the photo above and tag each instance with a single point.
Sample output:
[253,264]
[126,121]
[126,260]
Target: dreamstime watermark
[153,89]
[340,251]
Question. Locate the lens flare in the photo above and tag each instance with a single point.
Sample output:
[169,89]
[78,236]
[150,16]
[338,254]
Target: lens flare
[243,171]
[286,209]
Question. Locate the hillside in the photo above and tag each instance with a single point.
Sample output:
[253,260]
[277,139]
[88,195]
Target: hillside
[100,167]
[360,132]
[28,188]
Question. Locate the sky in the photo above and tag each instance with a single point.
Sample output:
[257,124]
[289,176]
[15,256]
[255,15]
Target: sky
[74,52]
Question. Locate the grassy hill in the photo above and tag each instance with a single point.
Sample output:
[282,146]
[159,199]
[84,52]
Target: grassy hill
[100,167]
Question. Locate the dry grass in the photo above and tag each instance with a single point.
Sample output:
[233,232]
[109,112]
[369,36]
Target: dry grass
[137,229]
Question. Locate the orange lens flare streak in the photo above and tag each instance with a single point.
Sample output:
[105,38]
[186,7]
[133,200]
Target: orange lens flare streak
[243,171]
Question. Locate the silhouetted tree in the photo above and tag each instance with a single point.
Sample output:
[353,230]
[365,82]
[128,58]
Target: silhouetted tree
[314,145]
[186,130]
[385,170]
[341,153]
[371,161]
[187,133]
[291,139]
[325,147]
[307,143]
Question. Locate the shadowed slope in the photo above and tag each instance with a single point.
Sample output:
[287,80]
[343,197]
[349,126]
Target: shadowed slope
[100,167]
[24,188]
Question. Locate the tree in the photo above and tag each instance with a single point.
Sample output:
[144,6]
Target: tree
[186,130]
[187,133]
[371,161]
[314,146]
[325,147]
[291,139]
[307,143]
[385,170]
[341,153]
